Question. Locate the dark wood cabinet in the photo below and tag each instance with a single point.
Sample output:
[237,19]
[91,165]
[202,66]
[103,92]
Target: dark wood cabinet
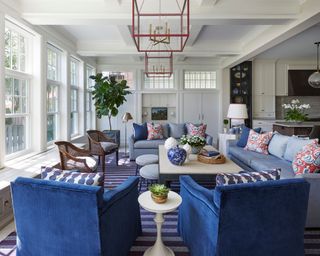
[241,87]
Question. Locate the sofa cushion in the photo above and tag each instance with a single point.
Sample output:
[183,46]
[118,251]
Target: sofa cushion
[91,179]
[273,162]
[140,131]
[223,179]
[294,145]
[307,160]
[148,143]
[155,131]
[196,130]
[165,130]
[90,161]
[278,145]
[258,142]
[108,146]
[242,142]
[177,130]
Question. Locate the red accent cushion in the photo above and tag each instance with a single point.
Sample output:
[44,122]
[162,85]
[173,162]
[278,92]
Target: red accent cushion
[196,130]
[308,159]
[155,131]
[258,142]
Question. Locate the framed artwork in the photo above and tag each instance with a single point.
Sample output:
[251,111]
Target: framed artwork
[159,113]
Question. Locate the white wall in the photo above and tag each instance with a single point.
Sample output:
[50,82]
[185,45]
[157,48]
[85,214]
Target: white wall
[134,105]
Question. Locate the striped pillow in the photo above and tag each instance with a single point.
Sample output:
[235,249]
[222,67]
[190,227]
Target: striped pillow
[90,179]
[223,179]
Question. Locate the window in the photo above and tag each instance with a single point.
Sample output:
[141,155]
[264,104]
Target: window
[158,82]
[53,87]
[74,73]
[200,80]
[90,84]
[121,76]
[17,85]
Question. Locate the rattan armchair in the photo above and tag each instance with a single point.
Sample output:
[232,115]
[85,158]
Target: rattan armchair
[101,145]
[72,157]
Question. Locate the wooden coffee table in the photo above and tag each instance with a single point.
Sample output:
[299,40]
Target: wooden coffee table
[197,170]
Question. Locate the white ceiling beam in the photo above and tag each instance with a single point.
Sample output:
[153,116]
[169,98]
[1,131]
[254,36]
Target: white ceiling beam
[125,34]
[310,16]
[194,34]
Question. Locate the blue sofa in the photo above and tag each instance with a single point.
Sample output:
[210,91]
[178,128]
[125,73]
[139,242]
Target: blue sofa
[141,147]
[62,219]
[260,219]
[252,161]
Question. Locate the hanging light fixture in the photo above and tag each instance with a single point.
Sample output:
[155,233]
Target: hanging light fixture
[314,79]
[159,64]
[166,30]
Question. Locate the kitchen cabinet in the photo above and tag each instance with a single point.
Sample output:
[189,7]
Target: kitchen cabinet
[264,124]
[264,106]
[264,78]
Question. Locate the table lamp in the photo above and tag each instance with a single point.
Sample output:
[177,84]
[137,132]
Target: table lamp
[125,119]
[237,113]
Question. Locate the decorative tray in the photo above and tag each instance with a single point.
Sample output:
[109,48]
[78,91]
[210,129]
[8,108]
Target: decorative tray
[220,159]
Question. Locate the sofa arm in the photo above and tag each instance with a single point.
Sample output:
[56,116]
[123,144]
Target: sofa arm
[112,196]
[197,192]
[230,143]
[209,139]
[131,146]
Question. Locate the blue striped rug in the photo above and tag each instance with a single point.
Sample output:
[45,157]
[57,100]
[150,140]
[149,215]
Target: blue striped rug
[115,175]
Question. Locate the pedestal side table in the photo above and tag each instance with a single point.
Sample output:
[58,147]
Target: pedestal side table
[146,202]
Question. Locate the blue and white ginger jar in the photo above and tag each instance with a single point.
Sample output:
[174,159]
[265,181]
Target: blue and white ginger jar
[177,155]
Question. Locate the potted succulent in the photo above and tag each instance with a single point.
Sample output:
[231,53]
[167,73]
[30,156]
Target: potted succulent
[108,95]
[196,142]
[159,193]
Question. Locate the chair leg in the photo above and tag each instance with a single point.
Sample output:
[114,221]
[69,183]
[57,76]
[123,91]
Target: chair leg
[137,169]
[140,182]
[117,157]
[103,159]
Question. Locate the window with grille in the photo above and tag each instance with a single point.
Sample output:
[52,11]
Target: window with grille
[53,87]
[120,75]
[89,107]
[74,81]
[200,80]
[158,82]
[17,85]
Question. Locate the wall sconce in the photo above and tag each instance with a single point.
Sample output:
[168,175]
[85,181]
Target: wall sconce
[145,113]
[172,113]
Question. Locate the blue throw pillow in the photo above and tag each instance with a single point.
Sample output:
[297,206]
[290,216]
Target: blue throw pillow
[245,135]
[295,144]
[278,144]
[140,131]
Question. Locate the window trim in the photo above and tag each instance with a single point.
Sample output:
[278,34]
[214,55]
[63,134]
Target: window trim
[200,89]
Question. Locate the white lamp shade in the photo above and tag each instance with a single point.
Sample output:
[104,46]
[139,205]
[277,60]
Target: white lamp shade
[237,111]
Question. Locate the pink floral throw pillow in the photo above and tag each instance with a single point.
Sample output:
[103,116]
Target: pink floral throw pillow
[308,159]
[155,131]
[194,130]
[258,142]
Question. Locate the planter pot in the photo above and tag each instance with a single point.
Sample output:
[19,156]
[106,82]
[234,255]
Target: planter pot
[113,134]
[196,150]
[159,199]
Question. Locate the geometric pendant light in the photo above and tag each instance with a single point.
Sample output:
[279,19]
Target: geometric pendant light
[160,25]
[314,79]
[158,64]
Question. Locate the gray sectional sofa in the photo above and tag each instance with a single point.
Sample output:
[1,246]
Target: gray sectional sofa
[252,161]
[141,147]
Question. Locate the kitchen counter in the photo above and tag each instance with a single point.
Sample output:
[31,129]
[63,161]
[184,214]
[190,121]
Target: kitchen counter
[293,124]
[299,129]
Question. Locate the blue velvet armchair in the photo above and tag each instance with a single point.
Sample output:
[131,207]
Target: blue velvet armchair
[253,219]
[62,219]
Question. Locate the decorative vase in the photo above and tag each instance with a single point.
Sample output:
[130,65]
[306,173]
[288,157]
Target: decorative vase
[188,149]
[196,150]
[159,199]
[177,155]
[170,143]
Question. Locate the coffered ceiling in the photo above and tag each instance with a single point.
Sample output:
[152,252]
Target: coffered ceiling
[228,31]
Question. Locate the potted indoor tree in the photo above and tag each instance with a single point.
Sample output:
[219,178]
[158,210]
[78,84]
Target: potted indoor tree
[108,95]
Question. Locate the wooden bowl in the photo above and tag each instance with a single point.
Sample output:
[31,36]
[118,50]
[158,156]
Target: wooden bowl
[159,199]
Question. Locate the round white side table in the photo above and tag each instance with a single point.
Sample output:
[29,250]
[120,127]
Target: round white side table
[146,202]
